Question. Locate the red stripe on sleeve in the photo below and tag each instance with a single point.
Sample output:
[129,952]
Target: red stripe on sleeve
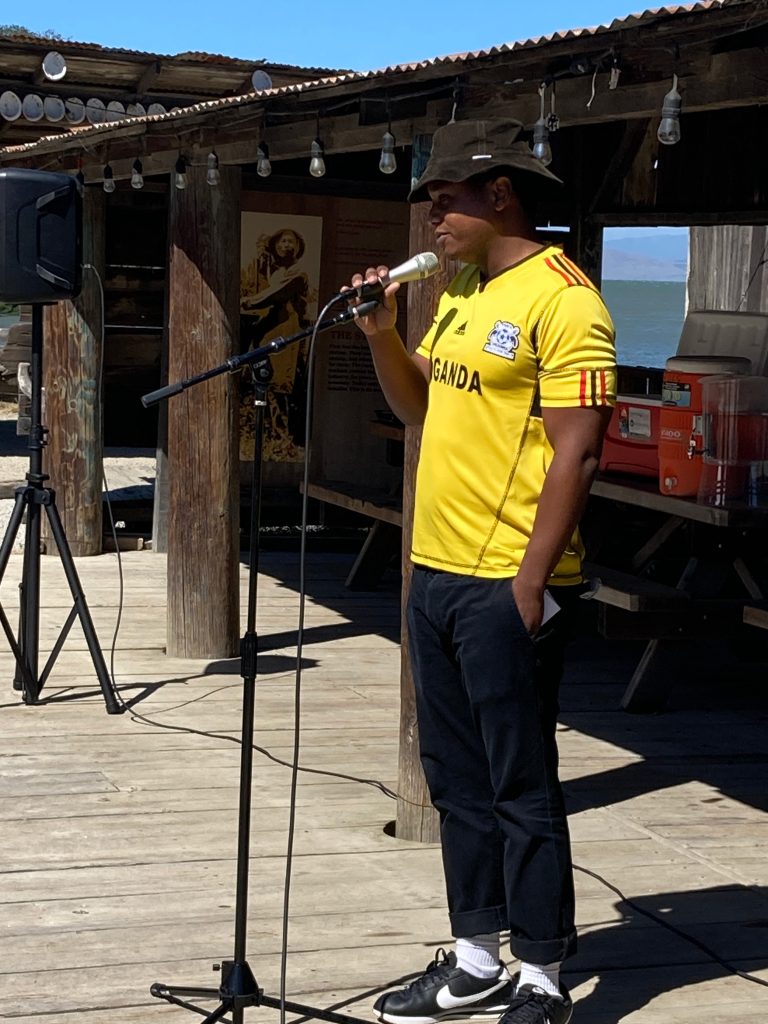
[577,273]
[583,388]
[559,271]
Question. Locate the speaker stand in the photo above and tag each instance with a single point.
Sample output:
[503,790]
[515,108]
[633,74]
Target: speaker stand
[33,499]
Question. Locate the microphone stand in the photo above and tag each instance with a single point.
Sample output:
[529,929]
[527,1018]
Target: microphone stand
[239,988]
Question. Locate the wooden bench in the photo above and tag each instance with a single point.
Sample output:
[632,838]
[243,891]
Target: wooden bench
[756,615]
[384,535]
[629,592]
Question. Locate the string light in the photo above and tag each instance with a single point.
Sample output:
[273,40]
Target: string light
[317,152]
[137,175]
[181,173]
[263,165]
[387,160]
[541,147]
[213,175]
[109,179]
[669,126]
[317,163]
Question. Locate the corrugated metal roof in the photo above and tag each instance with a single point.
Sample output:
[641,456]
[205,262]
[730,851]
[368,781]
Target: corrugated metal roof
[629,21]
[96,49]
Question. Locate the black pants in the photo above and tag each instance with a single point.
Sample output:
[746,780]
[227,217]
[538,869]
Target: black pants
[487,706]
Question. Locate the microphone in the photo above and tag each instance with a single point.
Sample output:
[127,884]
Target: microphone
[425,264]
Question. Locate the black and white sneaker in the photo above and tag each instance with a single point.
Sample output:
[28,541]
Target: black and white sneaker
[532,1005]
[445,992]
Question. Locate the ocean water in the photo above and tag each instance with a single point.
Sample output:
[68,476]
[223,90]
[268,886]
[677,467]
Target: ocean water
[648,316]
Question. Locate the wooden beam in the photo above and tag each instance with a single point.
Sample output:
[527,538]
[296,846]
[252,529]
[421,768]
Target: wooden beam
[416,817]
[148,77]
[656,218]
[72,361]
[621,160]
[203,527]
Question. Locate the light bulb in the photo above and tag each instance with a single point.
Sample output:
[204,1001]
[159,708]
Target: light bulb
[181,173]
[109,180]
[387,161]
[541,147]
[213,177]
[317,164]
[669,126]
[137,177]
[263,166]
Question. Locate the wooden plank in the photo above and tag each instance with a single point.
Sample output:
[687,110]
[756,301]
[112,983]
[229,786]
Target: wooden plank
[118,838]
[631,593]
[358,498]
[645,495]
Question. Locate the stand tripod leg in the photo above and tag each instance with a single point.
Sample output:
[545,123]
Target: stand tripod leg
[29,604]
[23,679]
[114,707]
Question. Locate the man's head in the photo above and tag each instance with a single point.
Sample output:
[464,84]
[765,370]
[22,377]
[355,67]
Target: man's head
[483,182]
[466,149]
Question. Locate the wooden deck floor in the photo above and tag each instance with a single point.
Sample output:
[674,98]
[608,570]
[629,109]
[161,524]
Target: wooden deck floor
[118,838]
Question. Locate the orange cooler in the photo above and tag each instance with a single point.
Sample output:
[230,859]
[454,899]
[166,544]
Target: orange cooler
[680,423]
[631,442]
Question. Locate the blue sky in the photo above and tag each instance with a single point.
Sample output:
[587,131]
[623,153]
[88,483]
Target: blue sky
[321,33]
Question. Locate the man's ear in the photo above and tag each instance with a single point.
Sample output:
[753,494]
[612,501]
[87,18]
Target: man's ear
[501,192]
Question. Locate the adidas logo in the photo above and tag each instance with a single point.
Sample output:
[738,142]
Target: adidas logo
[462,329]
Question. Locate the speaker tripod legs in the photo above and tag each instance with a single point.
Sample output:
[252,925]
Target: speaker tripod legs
[33,498]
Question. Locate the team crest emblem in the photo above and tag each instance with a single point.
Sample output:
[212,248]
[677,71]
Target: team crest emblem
[503,340]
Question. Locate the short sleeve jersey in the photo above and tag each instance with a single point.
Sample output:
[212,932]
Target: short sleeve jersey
[535,336]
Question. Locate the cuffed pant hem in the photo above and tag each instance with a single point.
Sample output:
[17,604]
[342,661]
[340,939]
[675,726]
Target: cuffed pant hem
[479,922]
[548,951]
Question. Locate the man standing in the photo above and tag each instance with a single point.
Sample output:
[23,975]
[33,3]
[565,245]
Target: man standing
[513,383]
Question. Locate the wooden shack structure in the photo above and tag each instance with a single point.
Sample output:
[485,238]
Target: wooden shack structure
[172,257]
[101,85]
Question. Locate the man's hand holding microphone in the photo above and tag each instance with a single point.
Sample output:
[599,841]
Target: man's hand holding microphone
[403,378]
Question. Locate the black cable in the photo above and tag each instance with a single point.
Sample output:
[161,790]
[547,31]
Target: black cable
[671,927]
[100,405]
[375,783]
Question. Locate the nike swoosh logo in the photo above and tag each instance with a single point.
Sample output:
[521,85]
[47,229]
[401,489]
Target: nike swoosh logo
[447,1001]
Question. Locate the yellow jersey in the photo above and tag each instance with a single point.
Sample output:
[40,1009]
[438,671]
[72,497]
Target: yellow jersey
[536,335]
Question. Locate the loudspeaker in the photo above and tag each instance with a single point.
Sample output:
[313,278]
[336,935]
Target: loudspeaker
[41,216]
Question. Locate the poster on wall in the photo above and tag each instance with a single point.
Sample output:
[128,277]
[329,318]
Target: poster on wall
[279,281]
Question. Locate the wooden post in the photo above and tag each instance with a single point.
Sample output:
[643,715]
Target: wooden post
[73,412]
[416,817]
[160,502]
[585,241]
[203,311]
[727,268]
[585,247]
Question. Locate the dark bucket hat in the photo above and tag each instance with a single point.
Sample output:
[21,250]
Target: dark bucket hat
[462,149]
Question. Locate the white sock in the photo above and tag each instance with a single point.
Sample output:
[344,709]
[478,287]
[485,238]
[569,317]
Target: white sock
[479,955]
[546,976]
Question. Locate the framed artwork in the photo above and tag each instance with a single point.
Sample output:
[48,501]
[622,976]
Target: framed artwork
[279,280]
